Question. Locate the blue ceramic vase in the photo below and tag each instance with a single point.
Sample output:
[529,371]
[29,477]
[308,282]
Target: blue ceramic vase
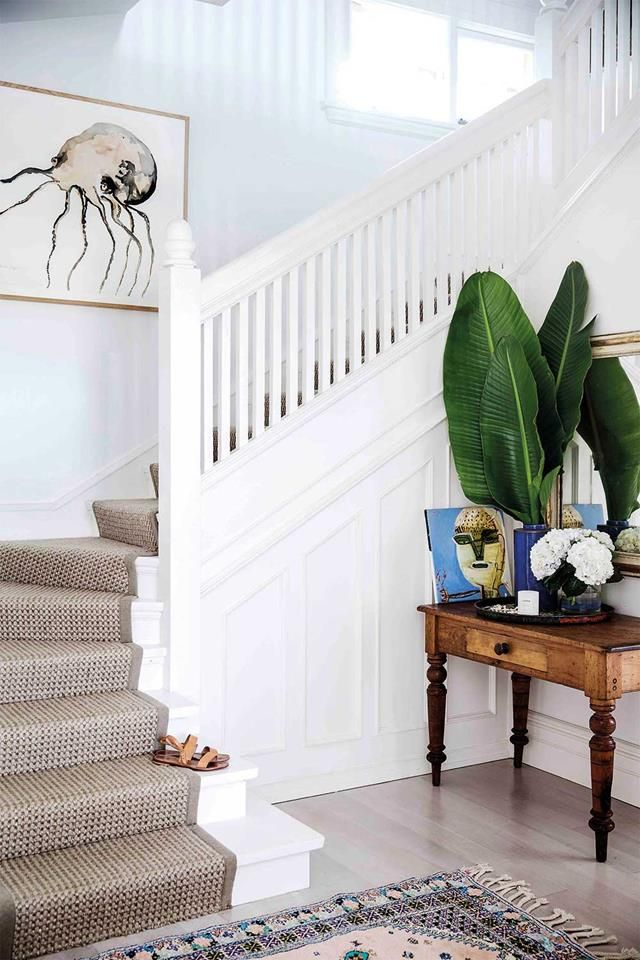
[613,527]
[524,579]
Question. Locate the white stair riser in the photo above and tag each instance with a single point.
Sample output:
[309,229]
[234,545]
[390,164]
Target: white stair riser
[145,622]
[222,802]
[270,878]
[152,670]
[147,576]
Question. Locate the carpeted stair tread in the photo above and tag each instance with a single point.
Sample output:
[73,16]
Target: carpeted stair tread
[31,612]
[42,669]
[43,734]
[87,563]
[154,470]
[82,894]
[68,806]
[129,521]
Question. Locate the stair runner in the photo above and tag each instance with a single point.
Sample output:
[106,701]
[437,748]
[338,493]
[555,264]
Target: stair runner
[95,840]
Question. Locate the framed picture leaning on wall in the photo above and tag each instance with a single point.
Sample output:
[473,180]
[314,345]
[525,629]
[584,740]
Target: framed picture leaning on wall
[87,189]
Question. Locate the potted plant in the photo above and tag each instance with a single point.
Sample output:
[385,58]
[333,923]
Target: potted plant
[513,401]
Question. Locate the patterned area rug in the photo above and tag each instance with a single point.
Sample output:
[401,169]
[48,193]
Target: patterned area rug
[466,915]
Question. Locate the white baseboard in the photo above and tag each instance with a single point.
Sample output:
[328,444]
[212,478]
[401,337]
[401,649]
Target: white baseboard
[562,748]
[316,784]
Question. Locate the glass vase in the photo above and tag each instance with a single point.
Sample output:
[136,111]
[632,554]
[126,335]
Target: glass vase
[588,602]
[523,540]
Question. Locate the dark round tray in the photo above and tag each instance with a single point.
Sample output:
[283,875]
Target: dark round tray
[556,619]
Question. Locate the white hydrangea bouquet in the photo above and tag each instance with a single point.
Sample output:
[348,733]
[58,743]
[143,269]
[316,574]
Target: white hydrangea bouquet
[629,540]
[572,560]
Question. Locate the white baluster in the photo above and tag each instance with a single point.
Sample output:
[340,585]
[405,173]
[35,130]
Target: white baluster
[309,347]
[456,233]
[401,271]
[571,86]
[224,384]
[340,351]
[324,340]
[442,244]
[355,325]
[610,64]
[624,59]
[179,427]
[292,340]
[484,220]
[207,394]
[635,54]
[582,92]
[242,374]
[259,347]
[372,306]
[595,127]
[430,245]
[415,250]
[508,205]
[275,372]
[385,297]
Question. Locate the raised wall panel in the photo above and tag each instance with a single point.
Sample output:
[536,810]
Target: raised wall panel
[471,690]
[333,638]
[255,670]
[402,547]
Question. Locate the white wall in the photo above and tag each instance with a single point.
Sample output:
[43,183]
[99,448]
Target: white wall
[78,385]
[603,232]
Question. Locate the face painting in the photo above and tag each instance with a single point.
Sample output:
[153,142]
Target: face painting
[480,549]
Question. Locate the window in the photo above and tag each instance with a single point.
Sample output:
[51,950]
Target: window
[490,70]
[432,71]
[398,61]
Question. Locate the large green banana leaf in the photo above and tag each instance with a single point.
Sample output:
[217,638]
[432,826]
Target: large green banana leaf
[610,424]
[488,310]
[513,454]
[566,346]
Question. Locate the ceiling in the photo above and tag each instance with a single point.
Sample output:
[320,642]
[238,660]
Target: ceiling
[12,11]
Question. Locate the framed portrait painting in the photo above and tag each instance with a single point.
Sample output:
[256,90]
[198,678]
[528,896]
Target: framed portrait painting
[87,189]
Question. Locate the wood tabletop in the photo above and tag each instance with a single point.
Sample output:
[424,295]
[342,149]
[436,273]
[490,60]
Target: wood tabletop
[618,633]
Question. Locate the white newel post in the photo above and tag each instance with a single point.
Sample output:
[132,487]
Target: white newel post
[548,63]
[179,458]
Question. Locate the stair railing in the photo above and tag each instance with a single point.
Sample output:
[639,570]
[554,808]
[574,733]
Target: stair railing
[298,314]
[598,74]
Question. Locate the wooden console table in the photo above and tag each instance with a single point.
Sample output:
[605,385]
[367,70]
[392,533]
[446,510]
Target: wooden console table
[601,659]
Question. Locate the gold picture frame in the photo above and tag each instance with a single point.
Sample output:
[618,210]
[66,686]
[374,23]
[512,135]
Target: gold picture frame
[620,345]
[166,205]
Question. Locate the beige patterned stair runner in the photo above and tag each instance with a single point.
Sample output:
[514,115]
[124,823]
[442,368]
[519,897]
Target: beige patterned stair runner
[95,840]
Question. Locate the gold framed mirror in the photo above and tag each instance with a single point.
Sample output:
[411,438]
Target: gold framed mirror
[580,482]
[625,346]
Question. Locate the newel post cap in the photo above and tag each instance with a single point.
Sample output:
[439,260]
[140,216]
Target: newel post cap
[179,245]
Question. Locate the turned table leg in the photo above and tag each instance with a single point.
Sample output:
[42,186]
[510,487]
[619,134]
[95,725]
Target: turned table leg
[602,746]
[436,707]
[520,687]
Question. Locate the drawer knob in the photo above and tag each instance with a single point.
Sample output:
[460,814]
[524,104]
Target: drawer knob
[501,648]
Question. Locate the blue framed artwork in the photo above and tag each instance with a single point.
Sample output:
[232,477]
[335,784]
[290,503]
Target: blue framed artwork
[587,515]
[468,553]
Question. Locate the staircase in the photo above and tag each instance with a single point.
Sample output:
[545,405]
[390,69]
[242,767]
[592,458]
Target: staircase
[96,840]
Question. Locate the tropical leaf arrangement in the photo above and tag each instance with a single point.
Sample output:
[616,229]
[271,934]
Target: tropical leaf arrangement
[514,399]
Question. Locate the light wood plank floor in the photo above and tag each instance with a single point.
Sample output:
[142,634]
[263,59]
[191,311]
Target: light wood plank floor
[523,822]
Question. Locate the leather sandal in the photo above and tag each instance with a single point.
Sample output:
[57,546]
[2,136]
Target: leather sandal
[184,755]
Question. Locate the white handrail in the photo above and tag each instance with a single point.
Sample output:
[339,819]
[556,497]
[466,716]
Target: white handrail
[277,256]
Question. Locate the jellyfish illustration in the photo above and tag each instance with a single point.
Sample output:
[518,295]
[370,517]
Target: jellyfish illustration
[113,172]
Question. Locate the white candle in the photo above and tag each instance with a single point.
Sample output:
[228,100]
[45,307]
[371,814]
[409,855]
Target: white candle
[529,602]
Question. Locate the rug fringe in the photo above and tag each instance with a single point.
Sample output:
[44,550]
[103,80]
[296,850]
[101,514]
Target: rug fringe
[519,894]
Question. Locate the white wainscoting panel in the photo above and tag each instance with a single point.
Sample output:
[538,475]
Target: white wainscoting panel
[315,646]
[333,638]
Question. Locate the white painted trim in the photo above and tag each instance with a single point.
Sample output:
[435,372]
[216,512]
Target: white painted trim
[91,481]
[430,130]
[400,769]
[562,748]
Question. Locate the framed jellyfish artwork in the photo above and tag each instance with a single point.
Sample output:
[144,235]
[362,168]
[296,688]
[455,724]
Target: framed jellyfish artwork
[87,189]
[469,559]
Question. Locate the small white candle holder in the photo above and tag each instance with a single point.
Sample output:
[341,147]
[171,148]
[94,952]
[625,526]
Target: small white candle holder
[529,603]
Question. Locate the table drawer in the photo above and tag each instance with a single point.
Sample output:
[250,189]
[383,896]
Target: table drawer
[521,653]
